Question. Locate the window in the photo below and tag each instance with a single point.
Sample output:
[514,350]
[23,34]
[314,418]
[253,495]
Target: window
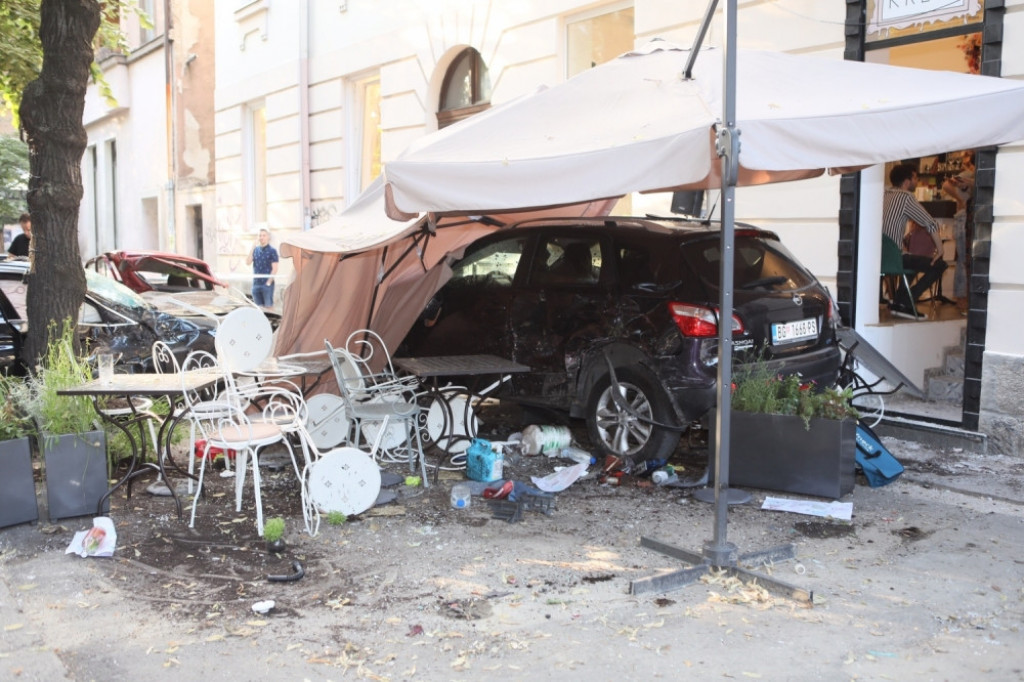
[150,20]
[593,39]
[492,265]
[466,89]
[567,261]
[256,164]
[368,94]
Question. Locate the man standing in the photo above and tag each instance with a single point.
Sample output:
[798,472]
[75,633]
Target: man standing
[899,206]
[263,259]
[19,245]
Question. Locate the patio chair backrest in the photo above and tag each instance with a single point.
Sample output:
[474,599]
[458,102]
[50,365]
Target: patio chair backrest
[244,339]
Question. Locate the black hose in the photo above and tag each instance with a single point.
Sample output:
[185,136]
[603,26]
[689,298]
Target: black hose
[299,571]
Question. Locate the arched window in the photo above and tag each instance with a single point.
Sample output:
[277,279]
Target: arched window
[466,89]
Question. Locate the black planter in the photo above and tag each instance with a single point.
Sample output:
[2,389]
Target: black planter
[76,474]
[17,488]
[778,452]
[276,546]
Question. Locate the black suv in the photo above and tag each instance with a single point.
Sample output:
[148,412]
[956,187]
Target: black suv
[568,297]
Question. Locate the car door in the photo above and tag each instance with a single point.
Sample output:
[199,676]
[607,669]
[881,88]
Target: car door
[560,307]
[469,315]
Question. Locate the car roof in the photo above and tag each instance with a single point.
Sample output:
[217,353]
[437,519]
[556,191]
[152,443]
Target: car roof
[689,227]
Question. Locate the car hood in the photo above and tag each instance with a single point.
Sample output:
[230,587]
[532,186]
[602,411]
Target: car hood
[216,303]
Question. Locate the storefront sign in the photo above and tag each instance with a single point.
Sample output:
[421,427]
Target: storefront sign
[902,14]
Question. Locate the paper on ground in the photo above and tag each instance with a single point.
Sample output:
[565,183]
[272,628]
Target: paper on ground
[100,540]
[561,479]
[832,510]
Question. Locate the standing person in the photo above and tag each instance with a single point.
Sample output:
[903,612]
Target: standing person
[20,244]
[899,206]
[961,188]
[263,259]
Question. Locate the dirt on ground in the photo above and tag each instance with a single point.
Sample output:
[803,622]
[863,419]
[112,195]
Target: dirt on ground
[925,582]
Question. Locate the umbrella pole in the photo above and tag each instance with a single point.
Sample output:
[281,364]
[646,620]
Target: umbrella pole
[718,552]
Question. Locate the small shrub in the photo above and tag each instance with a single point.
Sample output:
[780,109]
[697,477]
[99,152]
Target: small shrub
[336,518]
[756,388]
[273,529]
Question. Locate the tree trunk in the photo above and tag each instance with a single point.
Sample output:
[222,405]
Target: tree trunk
[51,120]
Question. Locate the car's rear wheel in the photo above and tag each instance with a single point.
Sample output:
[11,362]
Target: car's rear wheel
[623,427]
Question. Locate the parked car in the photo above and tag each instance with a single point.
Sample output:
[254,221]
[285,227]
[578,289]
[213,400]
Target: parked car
[112,319]
[179,285]
[568,297]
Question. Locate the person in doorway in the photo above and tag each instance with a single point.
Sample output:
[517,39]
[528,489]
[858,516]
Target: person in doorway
[263,259]
[20,244]
[899,206]
[961,188]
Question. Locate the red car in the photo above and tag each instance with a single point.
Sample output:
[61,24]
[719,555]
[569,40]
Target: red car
[175,284]
[143,271]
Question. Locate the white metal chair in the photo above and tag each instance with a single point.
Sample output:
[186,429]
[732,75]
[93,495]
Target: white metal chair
[224,424]
[379,411]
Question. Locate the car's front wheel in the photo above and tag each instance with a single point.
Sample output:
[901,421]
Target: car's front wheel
[623,425]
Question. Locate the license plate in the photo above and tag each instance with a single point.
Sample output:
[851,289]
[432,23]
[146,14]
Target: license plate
[784,332]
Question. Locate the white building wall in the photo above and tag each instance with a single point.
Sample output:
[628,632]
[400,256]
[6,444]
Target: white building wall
[137,125]
[410,43]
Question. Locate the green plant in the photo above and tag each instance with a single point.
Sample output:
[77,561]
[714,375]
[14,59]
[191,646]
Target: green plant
[60,368]
[14,421]
[336,518]
[273,529]
[757,388]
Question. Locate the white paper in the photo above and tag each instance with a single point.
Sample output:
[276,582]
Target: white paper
[832,510]
[561,479]
[106,545]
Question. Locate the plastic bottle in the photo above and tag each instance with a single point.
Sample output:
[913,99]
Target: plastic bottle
[577,454]
[545,439]
[664,476]
[646,466]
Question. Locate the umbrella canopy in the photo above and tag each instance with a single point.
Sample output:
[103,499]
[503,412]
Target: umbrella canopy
[634,124]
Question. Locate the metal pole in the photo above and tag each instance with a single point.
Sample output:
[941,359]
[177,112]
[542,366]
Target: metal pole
[699,39]
[719,551]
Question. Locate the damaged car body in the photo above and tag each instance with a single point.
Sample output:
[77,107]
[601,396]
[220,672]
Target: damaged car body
[112,319]
[182,286]
[575,298]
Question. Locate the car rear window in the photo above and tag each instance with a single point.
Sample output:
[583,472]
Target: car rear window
[760,264]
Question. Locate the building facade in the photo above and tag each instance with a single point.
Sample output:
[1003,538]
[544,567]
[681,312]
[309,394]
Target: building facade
[312,97]
[148,171]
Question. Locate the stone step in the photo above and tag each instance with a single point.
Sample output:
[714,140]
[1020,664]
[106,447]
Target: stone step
[954,362]
[945,387]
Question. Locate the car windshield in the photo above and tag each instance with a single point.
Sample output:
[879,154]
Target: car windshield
[115,292]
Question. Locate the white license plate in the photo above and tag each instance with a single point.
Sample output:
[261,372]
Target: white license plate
[785,332]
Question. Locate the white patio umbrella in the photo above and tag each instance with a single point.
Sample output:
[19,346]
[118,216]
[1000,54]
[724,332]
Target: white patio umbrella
[638,124]
[635,124]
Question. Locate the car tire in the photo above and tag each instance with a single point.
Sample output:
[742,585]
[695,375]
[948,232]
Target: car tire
[614,431]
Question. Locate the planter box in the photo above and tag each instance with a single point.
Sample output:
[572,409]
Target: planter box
[777,452]
[76,474]
[17,488]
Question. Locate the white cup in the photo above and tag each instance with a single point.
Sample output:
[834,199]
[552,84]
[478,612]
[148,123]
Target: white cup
[105,367]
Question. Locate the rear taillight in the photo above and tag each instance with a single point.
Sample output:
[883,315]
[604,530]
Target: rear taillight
[698,321]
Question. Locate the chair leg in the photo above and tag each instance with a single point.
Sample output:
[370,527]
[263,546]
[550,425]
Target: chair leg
[910,296]
[419,450]
[257,494]
[199,485]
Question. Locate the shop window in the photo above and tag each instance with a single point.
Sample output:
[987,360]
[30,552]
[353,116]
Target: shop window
[466,89]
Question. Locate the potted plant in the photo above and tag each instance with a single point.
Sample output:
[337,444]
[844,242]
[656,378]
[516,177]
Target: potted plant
[273,533]
[790,436]
[17,485]
[74,447]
